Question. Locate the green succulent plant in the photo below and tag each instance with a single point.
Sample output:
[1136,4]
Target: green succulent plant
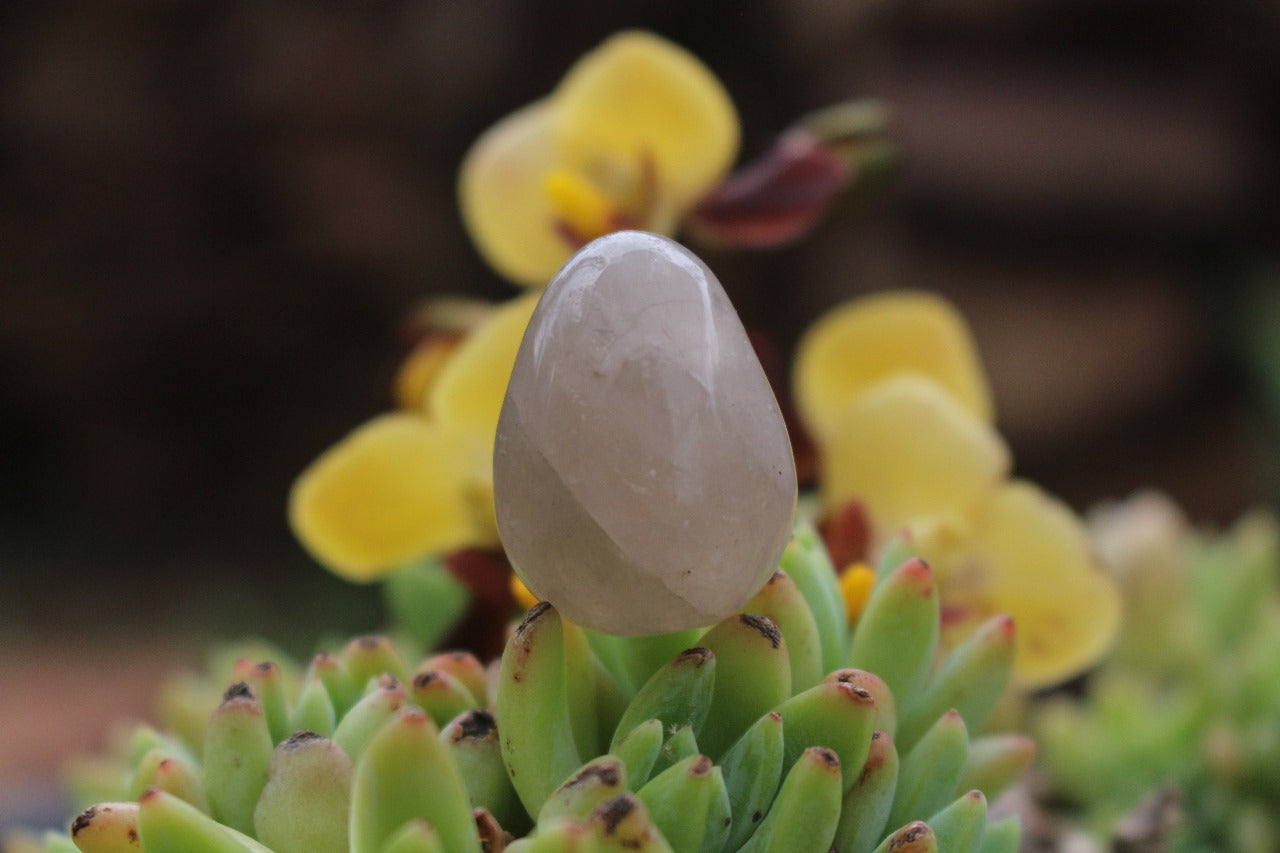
[776,729]
[1188,702]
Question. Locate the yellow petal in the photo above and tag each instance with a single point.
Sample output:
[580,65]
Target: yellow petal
[419,370]
[866,340]
[388,492]
[639,97]
[907,450]
[504,201]
[524,599]
[1026,554]
[468,392]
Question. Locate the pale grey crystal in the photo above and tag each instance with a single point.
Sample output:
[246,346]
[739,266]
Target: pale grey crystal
[643,476]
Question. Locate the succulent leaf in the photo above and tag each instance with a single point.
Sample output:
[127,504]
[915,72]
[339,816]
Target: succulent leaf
[959,826]
[834,715]
[472,741]
[752,677]
[897,636]
[752,771]
[305,804]
[367,717]
[807,563]
[314,711]
[930,772]
[638,750]
[971,680]
[107,828]
[806,811]
[170,773]
[406,773]
[168,825]
[599,779]
[237,751]
[679,801]
[865,809]
[679,694]
[781,601]
[537,741]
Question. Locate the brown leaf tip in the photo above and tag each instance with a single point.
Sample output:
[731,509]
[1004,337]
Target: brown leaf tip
[856,693]
[301,737]
[606,773]
[422,679]
[918,571]
[477,724]
[765,626]
[239,690]
[615,810]
[697,656]
[826,756]
[266,667]
[533,615]
[909,834]
[83,820]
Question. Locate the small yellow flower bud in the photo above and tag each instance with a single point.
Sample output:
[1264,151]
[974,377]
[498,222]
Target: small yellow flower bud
[856,583]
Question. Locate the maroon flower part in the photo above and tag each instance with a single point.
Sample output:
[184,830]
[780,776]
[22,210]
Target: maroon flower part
[483,628]
[847,534]
[776,199]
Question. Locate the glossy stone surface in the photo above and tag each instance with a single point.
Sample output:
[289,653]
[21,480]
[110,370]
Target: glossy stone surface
[643,476]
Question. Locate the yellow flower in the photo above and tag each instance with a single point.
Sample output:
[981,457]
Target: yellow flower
[1025,554]
[863,341]
[419,481]
[892,391]
[891,388]
[632,137]
[908,450]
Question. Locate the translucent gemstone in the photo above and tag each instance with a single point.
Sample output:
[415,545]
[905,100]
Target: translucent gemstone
[643,476]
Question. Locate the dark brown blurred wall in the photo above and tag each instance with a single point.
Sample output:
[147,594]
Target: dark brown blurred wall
[213,216]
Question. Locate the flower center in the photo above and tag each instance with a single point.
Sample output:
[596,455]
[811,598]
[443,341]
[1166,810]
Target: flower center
[610,196]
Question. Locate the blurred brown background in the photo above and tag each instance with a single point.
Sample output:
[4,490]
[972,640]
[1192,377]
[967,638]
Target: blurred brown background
[215,215]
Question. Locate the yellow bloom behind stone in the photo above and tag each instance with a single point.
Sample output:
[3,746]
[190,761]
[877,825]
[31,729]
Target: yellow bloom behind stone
[863,341]
[1026,554]
[908,450]
[468,391]
[635,134]
[420,481]
[385,494]
[891,388]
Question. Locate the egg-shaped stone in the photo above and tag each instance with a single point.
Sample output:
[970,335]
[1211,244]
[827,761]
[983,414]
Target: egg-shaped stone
[643,476]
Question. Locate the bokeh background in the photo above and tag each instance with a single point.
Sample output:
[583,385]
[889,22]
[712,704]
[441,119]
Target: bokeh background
[216,216]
